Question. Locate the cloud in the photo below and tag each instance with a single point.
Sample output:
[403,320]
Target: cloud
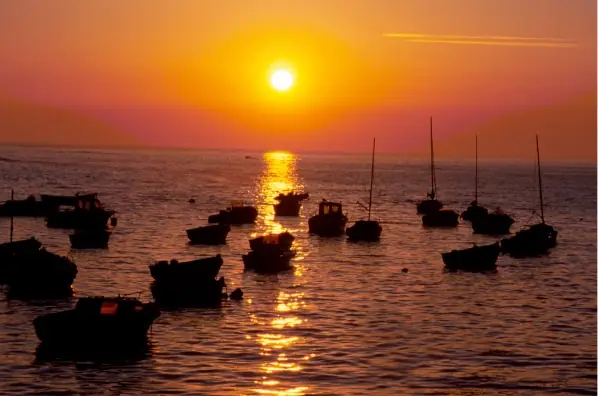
[510,41]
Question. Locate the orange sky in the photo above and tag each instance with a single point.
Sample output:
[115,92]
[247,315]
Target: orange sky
[194,73]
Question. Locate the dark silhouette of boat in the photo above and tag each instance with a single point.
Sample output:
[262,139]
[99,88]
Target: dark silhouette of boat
[87,212]
[441,218]
[270,253]
[330,220]
[29,207]
[30,270]
[431,204]
[90,238]
[191,283]
[289,204]
[494,223]
[98,320]
[236,214]
[538,238]
[209,235]
[476,258]
[366,230]
[474,210]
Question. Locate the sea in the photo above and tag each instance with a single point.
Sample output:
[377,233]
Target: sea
[379,318]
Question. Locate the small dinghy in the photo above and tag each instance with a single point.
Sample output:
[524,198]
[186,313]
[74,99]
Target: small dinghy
[495,223]
[272,254]
[188,284]
[209,235]
[476,258]
[236,214]
[289,204]
[441,218]
[330,220]
[98,320]
[90,239]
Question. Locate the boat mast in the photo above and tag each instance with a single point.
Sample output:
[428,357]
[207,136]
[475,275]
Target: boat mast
[432,172]
[371,180]
[12,198]
[476,167]
[540,181]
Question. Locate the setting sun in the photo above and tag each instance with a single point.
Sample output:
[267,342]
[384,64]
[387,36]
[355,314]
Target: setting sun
[281,80]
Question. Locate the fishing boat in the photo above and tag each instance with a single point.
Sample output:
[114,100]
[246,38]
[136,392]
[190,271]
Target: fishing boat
[29,207]
[330,220]
[209,235]
[236,214]
[431,204]
[289,204]
[474,210]
[441,218]
[84,213]
[106,321]
[493,223]
[366,230]
[536,239]
[203,268]
[90,238]
[476,258]
[272,254]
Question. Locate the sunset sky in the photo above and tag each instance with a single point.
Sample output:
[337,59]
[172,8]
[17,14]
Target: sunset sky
[192,73]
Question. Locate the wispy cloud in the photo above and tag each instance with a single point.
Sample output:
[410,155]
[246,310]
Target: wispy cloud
[510,41]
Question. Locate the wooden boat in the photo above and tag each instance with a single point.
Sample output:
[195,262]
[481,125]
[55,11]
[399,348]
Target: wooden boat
[289,204]
[270,253]
[28,207]
[495,223]
[474,210]
[209,235]
[330,220]
[477,258]
[441,218]
[91,238]
[98,320]
[237,213]
[538,238]
[284,240]
[81,219]
[431,204]
[203,268]
[366,230]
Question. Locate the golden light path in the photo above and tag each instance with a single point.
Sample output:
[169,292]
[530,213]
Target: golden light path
[277,346]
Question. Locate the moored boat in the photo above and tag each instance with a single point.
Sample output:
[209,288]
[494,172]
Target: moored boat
[431,204]
[495,223]
[476,258]
[289,204]
[209,235]
[441,218]
[270,253]
[90,238]
[29,207]
[98,320]
[236,214]
[202,268]
[330,220]
[85,212]
[284,240]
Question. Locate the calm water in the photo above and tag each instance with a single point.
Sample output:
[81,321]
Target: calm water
[346,320]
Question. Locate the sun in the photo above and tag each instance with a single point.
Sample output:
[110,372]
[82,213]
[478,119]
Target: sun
[281,80]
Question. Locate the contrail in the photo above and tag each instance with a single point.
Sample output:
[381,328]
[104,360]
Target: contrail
[513,41]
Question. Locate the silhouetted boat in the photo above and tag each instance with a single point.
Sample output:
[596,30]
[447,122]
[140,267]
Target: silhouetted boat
[270,253]
[289,204]
[90,238]
[431,204]
[202,268]
[538,238]
[494,223]
[441,218]
[366,230]
[477,258]
[28,207]
[30,270]
[87,212]
[209,235]
[330,220]
[56,201]
[237,213]
[98,320]
[474,210]
[191,283]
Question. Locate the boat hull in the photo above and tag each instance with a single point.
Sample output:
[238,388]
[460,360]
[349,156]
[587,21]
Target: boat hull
[441,218]
[535,241]
[268,260]
[429,206]
[492,224]
[209,235]
[90,239]
[205,268]
[327,225]
[362,230]
[75,219]
[474,212]
[235,216]
[477,258]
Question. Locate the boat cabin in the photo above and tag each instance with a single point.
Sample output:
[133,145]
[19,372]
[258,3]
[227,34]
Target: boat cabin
[108,306]
[330,208]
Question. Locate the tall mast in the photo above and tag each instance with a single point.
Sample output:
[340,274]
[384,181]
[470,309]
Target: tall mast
[476,167]
[371,180]
[432,173]
[12,198]
[540,181]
